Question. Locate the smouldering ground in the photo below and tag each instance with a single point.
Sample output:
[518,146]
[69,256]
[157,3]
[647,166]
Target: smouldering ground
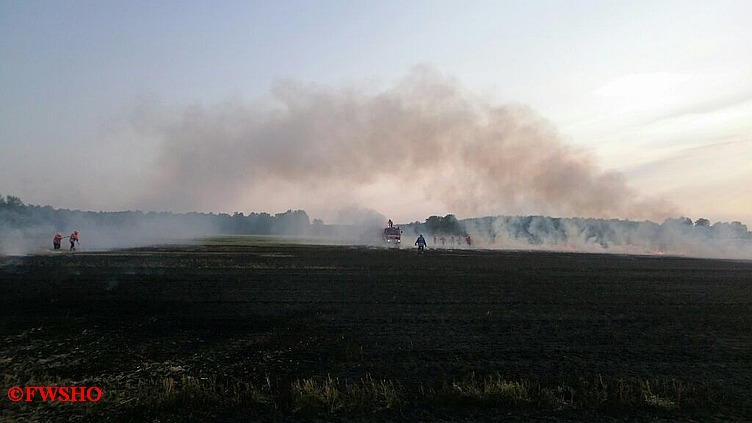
[257,330]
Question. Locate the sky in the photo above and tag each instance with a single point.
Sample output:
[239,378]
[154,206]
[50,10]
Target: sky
[616,109]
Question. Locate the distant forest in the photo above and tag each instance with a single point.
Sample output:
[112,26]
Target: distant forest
[15,214]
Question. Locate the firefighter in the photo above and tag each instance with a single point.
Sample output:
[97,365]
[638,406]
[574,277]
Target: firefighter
[421,243]
[57,240]
[391,224]
[73,238]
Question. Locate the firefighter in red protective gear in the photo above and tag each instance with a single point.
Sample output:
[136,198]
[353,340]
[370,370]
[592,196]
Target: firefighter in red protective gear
[73,240]
[56,241]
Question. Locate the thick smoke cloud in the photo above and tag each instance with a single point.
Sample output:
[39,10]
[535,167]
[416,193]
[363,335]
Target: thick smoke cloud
[424,136]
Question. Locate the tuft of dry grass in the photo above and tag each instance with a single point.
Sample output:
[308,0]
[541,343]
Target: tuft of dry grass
[188,391]
[664,395]
[490,390]
[331,396]
[657,394]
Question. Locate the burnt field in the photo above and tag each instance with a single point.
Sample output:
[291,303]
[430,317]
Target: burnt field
[264,331]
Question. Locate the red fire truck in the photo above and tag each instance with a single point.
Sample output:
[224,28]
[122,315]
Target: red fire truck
[392,234]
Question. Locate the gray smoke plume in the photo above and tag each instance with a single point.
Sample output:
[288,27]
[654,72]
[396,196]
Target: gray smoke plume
[425,136]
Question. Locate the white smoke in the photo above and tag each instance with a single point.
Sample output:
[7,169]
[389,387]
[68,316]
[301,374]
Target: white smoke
[672,237]
[423,140]
[100,231]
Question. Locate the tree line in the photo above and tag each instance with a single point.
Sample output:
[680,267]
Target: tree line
[14,214]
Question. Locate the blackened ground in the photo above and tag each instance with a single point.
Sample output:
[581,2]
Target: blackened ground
[270,315]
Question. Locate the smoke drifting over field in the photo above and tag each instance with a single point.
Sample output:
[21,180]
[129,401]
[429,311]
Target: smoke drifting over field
[679,236]
[29,229]
[425,137]
[673,236]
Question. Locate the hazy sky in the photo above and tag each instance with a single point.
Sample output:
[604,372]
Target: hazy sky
[605,108]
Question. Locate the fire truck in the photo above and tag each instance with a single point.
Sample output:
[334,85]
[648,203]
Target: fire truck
[392,234]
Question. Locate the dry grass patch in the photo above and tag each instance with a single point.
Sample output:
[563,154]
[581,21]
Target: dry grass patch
[332,396]
[490,390]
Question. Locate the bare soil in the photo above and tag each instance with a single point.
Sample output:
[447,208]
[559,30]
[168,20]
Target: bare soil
[267,315]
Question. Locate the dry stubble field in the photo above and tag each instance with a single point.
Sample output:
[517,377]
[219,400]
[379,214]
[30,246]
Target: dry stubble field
[247,331]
